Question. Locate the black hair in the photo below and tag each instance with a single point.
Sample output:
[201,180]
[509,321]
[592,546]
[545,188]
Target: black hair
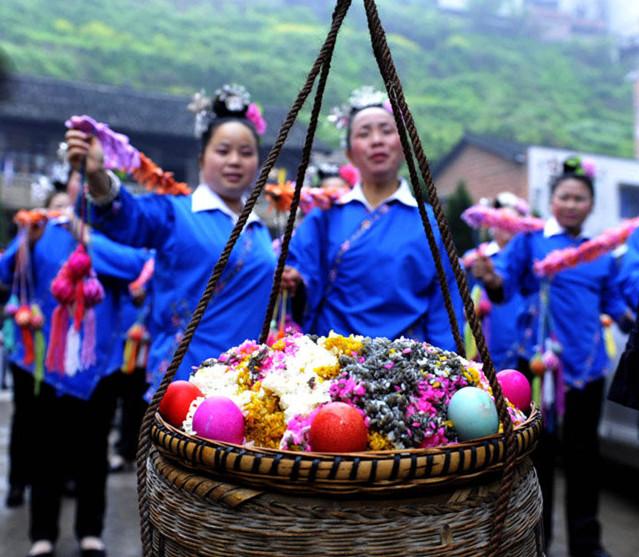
[221,114]
[326,170]
[573,170]
[51,195]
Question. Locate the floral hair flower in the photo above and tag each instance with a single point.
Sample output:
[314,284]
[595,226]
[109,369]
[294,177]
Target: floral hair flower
[254,114]
[230,100]
[361,98]
[580,167]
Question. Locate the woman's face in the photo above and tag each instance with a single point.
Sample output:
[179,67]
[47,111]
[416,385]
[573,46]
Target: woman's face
[571,203]
[59,202]
[229,162]
[375,147]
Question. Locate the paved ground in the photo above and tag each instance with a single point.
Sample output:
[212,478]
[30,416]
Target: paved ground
[619,513]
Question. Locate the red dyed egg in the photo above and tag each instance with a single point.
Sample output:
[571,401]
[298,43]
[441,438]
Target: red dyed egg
[338,428]
[177,400]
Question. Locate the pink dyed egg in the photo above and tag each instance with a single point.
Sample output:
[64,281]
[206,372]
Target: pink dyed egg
[218,418]
[516,388]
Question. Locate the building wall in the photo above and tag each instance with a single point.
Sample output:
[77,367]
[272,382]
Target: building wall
[485,175]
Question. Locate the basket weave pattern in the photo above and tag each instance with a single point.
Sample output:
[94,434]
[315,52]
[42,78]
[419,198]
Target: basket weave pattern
[368,472]
[196,515]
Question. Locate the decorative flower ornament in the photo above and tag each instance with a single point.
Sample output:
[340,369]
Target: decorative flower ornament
[229,100]
[363,97]
[580,167]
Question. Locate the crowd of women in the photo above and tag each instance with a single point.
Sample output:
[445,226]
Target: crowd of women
[362,265]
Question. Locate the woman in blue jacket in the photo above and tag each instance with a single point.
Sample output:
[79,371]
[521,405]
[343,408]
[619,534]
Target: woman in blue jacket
[365,262]
[575,298]
[188,234]
[70,417]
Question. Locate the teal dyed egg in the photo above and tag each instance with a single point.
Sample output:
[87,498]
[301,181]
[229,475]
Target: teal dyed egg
[473,413]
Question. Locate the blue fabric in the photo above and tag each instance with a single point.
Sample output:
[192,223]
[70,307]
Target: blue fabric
[629,271]
[577,298]
[386,283]
[506,323]
[187,247]
[114,264]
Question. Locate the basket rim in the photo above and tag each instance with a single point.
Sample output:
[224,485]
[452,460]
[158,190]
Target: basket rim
[530,421]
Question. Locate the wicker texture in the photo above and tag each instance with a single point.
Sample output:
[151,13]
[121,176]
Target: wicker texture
[370,472]
[195,515]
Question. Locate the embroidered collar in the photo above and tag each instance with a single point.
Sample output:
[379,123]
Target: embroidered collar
[553,228]
[205,199]
[401,194]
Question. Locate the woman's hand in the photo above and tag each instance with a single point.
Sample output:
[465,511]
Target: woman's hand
[290,280]
[82,147]
[484,270]
[36,230]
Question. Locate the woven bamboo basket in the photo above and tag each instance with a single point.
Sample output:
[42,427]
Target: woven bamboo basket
[195,514]
[478,498]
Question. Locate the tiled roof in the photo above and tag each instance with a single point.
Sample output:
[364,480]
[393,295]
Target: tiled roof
[123,108]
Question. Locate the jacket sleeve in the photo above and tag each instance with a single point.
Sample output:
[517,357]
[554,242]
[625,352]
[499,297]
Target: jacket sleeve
[138,221]
[515,267]
[116,260]
[8,262]
[307,255]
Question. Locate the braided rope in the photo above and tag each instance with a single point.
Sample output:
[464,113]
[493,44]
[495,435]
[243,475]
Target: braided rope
[145,441]
[404,117]
[301,172]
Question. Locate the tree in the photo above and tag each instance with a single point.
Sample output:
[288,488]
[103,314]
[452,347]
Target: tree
[456,204]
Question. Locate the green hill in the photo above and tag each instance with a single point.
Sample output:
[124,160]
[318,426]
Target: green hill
[458,73]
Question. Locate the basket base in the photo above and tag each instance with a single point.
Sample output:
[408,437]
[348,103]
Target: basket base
[193,515]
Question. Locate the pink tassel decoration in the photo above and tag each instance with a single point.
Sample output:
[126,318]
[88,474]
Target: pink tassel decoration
[72,352]
[93,291]
[57,339]
[79,263]
[62,288]
[87,353]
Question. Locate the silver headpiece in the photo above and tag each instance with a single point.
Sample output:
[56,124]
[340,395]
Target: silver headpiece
[360,98]
[234,98]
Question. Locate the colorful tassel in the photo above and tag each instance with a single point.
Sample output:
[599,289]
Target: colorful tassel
[87,354]
[57,339]
[609,341]
[8,335]
[143,353]
[78,313]
[135,337]
[469,339]
[536,390]
[72,352]
[38,370]
[27,342]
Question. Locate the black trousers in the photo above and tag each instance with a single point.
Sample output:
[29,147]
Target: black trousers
[128,389]
[578,445]
[20,439]
[70,437]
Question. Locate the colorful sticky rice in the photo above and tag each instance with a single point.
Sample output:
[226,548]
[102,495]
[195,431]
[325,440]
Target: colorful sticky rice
[401,387]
